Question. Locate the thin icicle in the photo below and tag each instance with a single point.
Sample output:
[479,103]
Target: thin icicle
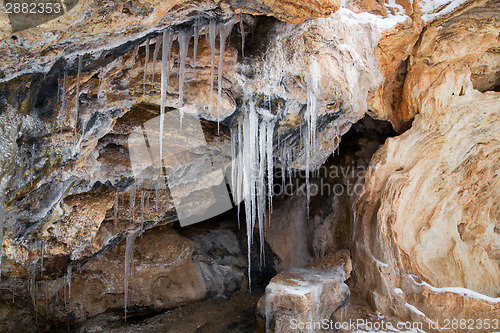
[155,57]
[62,112]
[132,202]
[128,258]
[242,32]
[183,39]
[77,103]
[310,142]
[68,278]
[224,31]
[165,72]
[212,26]
[261,198]
[270,164]
[195,43]
[145,68]
[115,210]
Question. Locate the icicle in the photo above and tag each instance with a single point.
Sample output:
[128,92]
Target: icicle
[212,26]
[270,165]
[261,199]
[132,202]
[33,291]
[128,257]
[311,119]
[77,104]
[68,279]
[242,32]
[42,250]
[62,112]
[195,44]
[165,72]
[239,173]
[183,39]
[155,57]
[145,67]
[224,31]
[115,210]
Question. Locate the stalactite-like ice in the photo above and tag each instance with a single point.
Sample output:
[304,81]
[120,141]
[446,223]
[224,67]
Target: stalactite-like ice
[146,61]
[224,31]
[165,73]
[210,35]
[133,190]
[242,32]
[310,141]
[196,31]
[129,247]
[255,165]
[68,279]
[62,111]
[183,39]
[155,57]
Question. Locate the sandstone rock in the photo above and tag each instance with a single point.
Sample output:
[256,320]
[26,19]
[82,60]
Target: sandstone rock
[296,297]
[162,275]
[429,207]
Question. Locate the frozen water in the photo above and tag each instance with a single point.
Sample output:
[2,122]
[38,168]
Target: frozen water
[155,57]
[224,31]
[129,247]
[210,35]
[183,39]
[145,67]
[165,72]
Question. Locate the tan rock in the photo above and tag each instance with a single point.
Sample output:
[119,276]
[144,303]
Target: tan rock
[162,275]
[288,11]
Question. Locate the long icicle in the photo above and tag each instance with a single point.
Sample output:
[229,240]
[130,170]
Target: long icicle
[62,112]
[212,26]
[195,43]
[242,32]
[128,258]
[155,57]
[145,68]
[165,72]
[225,30]
[183,39]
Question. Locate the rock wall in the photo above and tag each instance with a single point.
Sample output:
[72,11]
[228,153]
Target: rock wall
[426,229]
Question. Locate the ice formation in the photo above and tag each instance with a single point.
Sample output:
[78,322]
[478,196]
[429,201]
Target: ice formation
[145,67]
[129,247]
[224,31]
